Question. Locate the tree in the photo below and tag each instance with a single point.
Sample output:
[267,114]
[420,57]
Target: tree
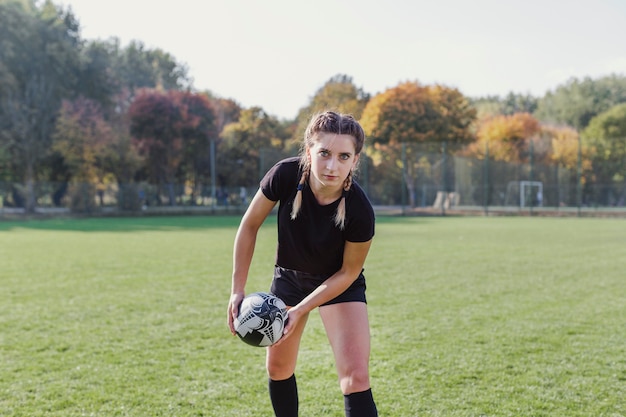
[172,130]
[576,102]
[226,110]
[81,136]
[198,127]
[606,138]
[111,74]
[434,117]
[507,137]
[243,142]
[412,113]
[122,159]
[40,53]
[138,67]
[339,94]
[97,79]
[564,143]
[154,124]
[510,104]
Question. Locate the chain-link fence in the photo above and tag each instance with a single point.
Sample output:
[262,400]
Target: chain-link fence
[409,177]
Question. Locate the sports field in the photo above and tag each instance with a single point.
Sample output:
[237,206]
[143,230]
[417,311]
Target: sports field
[470,317]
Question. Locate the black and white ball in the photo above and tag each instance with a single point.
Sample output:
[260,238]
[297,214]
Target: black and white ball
[261,320]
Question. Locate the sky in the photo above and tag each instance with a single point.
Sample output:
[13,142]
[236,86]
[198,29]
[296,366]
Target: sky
[277,53]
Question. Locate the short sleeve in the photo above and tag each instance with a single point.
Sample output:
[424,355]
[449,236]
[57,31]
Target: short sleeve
[360,226]
[281,178]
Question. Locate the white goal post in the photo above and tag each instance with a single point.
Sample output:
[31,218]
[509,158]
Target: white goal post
[523,195]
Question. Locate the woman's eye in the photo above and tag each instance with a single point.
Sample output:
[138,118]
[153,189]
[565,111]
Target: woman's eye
[324,153]
[345,157]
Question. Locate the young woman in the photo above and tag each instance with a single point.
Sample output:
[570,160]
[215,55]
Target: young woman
[325,229]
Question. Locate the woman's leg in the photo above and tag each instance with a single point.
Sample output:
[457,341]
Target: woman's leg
[347,327]
[280,363]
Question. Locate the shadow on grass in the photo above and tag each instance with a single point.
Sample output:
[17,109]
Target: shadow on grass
[124,224]
[182,222]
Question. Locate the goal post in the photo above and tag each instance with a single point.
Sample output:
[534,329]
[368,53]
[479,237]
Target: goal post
[530,193]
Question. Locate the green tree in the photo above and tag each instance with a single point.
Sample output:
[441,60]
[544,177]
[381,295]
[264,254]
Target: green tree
[97,79]
[339,94]
[137,67]
[576,102]
[243,144]
[40,47]
[510,104]
[606,138]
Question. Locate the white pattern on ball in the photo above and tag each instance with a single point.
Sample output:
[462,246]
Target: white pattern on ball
[261,319]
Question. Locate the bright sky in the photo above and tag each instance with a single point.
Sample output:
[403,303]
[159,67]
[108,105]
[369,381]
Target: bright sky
[277,53]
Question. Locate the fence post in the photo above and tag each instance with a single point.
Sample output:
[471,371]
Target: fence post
[486,180]
[213,181]
[531,176]
[443,177]
[404,183]
[579,190]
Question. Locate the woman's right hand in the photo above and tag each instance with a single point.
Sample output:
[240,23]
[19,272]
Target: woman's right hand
[233,309]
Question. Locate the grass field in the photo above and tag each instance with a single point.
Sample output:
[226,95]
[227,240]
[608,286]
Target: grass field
[469,316]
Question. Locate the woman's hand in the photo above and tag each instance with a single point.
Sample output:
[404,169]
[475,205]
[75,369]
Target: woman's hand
[233,309]
[294,314]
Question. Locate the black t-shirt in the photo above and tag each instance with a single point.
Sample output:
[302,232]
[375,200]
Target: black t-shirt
[312,242]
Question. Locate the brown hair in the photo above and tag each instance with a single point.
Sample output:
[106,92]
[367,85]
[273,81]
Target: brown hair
[328,122]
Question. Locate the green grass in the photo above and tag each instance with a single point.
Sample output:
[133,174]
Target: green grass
[469,317]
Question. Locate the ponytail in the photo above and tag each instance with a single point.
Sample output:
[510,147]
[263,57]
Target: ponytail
[297,201]
[340,214]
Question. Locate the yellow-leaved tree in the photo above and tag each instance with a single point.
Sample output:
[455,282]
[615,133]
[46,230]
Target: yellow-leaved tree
[506,136]
[435,117]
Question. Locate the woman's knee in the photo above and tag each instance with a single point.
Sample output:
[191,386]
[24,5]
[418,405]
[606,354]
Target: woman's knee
[280,362]
[356,379]
[279,370]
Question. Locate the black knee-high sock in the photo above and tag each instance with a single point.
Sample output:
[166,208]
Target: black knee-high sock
[284,396]
[360,404]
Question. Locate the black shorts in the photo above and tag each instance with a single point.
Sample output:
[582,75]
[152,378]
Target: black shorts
[293,286]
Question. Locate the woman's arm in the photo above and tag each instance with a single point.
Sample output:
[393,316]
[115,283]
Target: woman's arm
[245,240]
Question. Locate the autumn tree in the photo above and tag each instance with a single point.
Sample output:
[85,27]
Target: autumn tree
[226,110]
[430,118]
[81,136]
[154,124]
[506,137]
[198,127]
[564,142]
[172,130]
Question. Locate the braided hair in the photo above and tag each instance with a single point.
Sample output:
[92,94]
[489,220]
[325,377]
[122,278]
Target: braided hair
[328,122]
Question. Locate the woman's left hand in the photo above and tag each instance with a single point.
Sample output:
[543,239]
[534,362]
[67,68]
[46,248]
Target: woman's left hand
[293,317]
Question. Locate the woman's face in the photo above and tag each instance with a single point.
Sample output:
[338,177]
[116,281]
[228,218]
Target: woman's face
[332,158]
